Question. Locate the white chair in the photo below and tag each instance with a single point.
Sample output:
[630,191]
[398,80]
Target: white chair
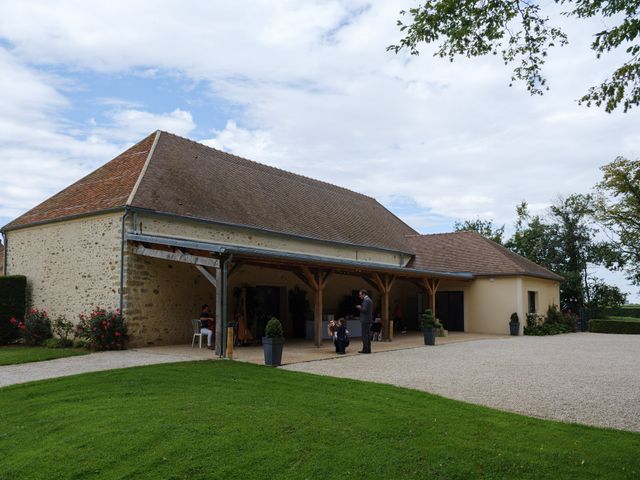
[195,323]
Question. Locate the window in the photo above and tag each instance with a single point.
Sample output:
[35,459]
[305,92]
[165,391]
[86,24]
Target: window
[532,302]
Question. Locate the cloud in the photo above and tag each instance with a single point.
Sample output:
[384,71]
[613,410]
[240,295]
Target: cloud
[309,87]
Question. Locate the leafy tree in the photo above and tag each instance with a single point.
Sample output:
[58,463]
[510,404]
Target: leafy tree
[604,295]
[533,239]
[618,207]
[562,242]
[521,33]
[486,228]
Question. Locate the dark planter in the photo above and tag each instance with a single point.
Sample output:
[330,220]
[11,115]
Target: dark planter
[429,336]
[515,329]
[272,350]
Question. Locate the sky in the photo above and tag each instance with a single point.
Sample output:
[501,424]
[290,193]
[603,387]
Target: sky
[304,86]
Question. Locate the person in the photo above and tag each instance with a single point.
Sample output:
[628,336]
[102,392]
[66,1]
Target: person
[332,327]
[398,320]
[341,337]
[366,311]
[206,324]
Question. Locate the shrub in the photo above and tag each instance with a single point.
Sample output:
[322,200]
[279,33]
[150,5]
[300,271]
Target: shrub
[554,323]
[58,343]
[103,330]
[273,329]
[62,327]
[427,320]
[624,311]
[621,325]
[37,327]
[13,304]
[514,318]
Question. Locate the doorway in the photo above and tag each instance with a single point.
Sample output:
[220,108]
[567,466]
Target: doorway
[450,310]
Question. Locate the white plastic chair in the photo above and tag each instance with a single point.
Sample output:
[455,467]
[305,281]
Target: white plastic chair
[195,323]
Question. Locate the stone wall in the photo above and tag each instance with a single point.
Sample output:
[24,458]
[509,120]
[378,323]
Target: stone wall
[192,230]
[71,266]
[161,298]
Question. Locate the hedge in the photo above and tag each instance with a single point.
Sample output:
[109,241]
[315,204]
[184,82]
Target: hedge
[622,312]
[13,304]
[629,325]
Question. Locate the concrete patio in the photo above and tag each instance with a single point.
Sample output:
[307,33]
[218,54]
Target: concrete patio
[297,350]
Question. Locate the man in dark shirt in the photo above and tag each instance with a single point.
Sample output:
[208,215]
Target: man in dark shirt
[366,311]
[206,324]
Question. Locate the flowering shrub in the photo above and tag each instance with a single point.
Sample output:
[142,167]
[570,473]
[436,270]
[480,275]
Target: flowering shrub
[36,327]
[103,330]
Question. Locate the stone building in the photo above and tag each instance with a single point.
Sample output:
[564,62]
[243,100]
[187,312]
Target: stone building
[171,224]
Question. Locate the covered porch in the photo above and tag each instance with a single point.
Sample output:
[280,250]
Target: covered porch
[235,274]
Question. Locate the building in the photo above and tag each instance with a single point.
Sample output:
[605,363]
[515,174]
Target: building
[170,224]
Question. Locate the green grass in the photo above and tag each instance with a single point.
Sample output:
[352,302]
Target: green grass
[209,420]
[12,354]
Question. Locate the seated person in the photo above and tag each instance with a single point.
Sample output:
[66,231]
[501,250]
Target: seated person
[207,324]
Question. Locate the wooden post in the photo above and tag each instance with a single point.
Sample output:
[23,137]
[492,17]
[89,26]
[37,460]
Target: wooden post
[230,343]
[431,285]
[383,285]
[316,282]
[218,339]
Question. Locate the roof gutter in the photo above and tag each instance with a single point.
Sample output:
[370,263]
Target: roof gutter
[280,255]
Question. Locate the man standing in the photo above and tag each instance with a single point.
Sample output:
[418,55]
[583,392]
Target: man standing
[366,311]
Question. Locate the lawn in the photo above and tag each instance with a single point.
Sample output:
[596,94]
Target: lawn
[12,354]
[215,419]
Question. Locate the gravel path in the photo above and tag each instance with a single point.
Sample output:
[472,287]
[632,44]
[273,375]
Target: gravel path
[95,362]
[586,378]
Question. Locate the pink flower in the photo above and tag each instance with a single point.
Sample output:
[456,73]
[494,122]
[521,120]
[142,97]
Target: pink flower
[13,320]
[118,334]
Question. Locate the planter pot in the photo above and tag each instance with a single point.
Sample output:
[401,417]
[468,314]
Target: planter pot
[272,350]
[514,328]
[429,336]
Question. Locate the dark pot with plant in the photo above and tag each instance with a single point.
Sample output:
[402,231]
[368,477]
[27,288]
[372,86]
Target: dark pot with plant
[272,342]
[429,327]
[514,324]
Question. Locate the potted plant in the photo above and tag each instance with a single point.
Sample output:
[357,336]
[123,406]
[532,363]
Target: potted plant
[273,342]
[514,324]
[429,326]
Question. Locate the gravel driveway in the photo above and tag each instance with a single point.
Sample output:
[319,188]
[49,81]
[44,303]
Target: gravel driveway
[585,378]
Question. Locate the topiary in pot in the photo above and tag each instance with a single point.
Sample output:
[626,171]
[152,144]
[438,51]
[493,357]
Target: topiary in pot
[273,342]
[514,324]
[429,325]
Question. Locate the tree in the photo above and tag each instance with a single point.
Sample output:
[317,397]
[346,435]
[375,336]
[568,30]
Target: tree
[618,207]
[562,242]
[605,296]
[483,227]
[520,32]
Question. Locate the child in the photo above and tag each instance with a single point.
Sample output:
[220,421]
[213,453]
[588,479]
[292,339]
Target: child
[341,337]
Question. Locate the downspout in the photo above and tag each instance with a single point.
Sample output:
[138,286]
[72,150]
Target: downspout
[122,243]
[5,263]
[224,304]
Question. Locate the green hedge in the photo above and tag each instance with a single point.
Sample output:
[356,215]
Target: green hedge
[621,312]
[628,325]
[13,303]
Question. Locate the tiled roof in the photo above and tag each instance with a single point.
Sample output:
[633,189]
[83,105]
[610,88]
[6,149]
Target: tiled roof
[471,252]
[189,179]
[192,180]
[107,187]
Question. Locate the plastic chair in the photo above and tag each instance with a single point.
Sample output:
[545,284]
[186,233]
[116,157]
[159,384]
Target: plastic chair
[195,323]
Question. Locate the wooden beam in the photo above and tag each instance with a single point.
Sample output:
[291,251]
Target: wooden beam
[369,281]
[207,275]
[310,278]
[177,256]
[317,317]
